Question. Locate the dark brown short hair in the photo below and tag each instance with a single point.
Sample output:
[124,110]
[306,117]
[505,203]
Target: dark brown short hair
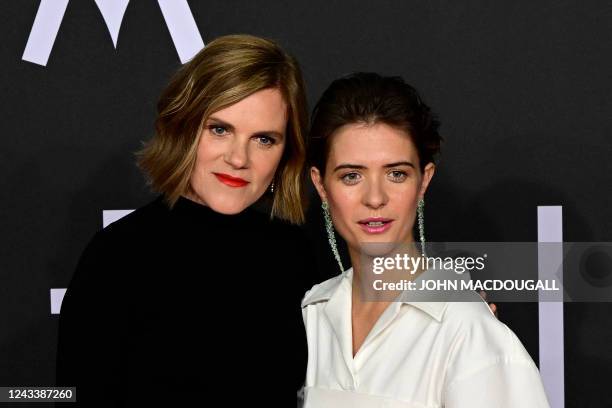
[370,98]
[227,70]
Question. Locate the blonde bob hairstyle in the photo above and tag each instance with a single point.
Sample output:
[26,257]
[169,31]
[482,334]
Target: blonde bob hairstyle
[227,70]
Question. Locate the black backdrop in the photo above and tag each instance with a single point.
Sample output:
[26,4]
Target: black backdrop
[522,89]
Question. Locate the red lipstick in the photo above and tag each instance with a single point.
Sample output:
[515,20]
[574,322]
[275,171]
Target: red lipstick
[231,181]
[375,225]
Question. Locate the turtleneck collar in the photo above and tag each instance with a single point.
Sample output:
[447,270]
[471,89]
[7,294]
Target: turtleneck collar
[189,209]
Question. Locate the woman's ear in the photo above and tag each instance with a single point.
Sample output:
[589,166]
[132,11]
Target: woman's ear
[317,180]
[428,173]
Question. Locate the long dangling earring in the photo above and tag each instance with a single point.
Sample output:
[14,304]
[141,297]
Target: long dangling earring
[329,227]
[421,216]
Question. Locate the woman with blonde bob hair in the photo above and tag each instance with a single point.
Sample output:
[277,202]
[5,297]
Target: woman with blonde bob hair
[190,295]
[228,70]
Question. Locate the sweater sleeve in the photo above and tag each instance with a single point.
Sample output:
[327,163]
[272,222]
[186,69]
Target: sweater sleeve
[91,327]
[307,272]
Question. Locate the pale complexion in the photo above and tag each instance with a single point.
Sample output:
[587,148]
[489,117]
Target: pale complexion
[239,150]
[372,172]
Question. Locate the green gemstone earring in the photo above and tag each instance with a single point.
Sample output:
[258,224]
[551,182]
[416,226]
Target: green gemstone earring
[331,237]
[421,218]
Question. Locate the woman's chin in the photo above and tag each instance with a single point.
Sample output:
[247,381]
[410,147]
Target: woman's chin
[374,248]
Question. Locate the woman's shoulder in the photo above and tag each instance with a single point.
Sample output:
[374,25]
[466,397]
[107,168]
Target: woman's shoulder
[322,291]
[478,338]
[486,358]
[475,319]
[472,310]
[121,236]
[141,219]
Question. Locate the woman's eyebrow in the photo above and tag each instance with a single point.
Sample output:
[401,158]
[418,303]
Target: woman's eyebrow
[349,166]
[362,167]
[232,128]
[221,123]
[400,163]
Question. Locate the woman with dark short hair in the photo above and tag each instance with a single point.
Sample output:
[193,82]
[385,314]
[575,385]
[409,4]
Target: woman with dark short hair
[373,147]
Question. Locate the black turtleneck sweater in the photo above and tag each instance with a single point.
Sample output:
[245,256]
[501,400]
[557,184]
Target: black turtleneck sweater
[187,305]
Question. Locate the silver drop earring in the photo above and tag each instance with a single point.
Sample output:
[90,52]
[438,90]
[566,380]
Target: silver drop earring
[329,227]
[272,187]
[421,217]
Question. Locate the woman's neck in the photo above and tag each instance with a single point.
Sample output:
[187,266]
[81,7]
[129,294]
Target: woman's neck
[364,274]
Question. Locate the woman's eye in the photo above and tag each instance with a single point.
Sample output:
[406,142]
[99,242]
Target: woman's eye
[397,176]
[351,178]
[266,140]
[217,130]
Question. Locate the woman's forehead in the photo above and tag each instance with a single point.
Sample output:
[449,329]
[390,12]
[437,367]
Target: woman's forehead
[371,143]
[263,109]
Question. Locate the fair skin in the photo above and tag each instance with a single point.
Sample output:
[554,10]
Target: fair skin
[372,172]
[239,150]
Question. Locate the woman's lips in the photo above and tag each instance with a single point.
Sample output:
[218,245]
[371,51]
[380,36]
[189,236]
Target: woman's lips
[375,225]
[231,181]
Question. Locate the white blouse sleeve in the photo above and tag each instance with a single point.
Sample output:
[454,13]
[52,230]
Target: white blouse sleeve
[504,383]
[490,367]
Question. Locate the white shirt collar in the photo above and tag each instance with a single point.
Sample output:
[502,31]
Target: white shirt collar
[324,291]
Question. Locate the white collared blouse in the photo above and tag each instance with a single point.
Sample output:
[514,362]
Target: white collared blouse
[417,355]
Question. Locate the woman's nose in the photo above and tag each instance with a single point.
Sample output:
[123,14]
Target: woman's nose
[375,195]
[237,154]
